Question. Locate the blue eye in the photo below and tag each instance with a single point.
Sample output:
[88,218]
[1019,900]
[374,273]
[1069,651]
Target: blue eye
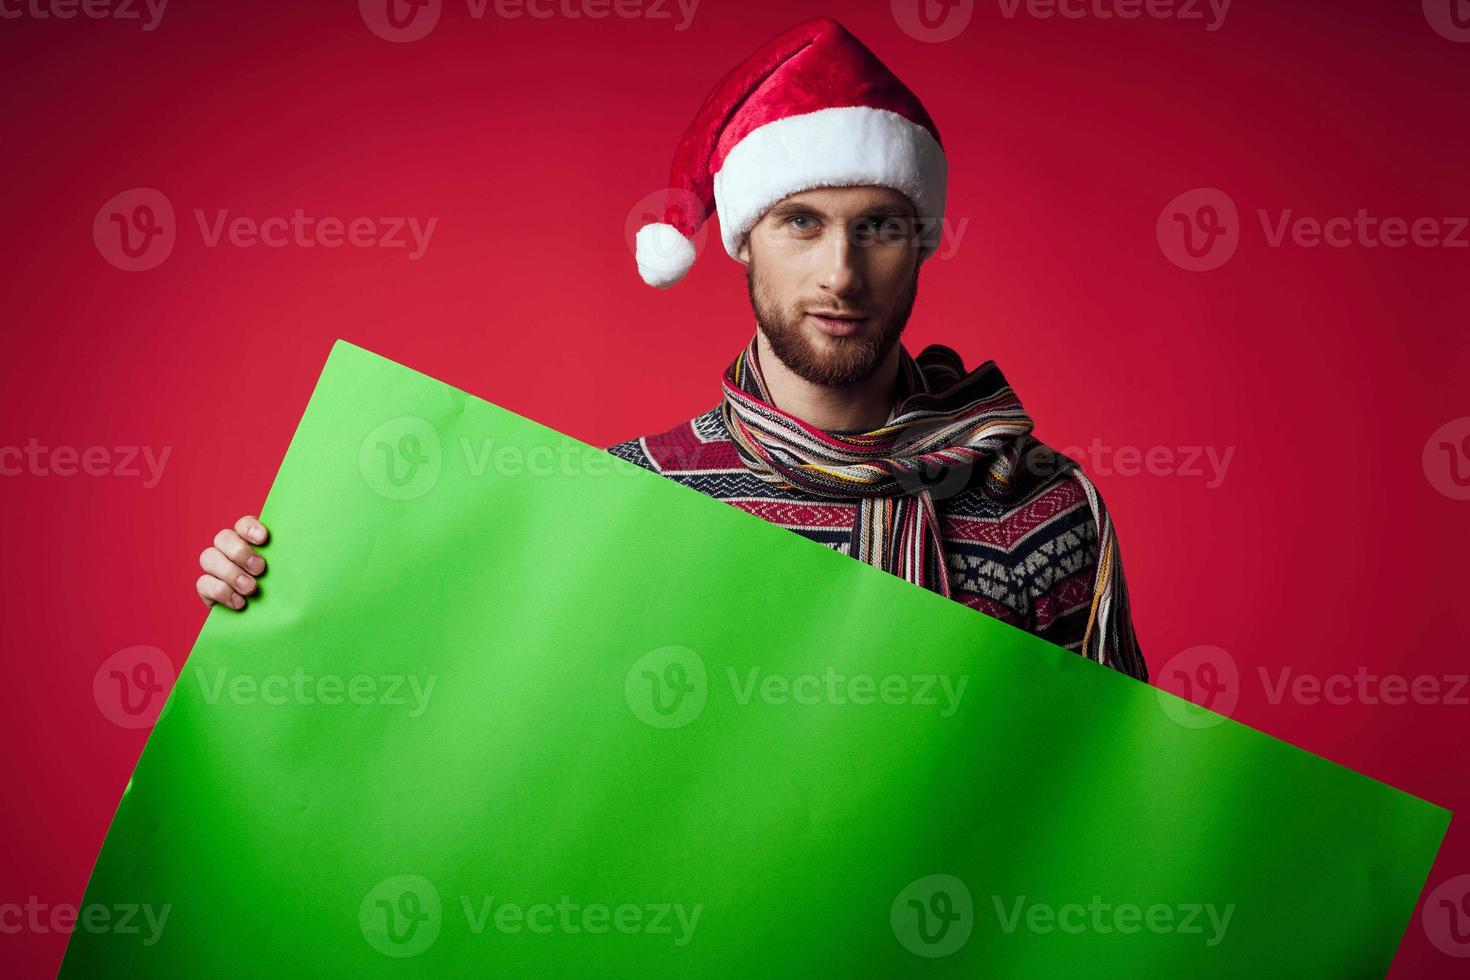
[799,217]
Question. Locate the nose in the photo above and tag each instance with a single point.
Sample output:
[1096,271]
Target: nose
[841,273]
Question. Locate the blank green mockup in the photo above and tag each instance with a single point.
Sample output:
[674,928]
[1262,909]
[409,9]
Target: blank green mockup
[506,705]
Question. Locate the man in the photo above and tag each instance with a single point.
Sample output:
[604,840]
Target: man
[829,180]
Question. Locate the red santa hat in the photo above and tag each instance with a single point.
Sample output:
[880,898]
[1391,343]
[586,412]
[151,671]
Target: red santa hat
[812,108]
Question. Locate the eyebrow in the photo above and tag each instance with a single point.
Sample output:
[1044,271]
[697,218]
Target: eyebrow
[788,208]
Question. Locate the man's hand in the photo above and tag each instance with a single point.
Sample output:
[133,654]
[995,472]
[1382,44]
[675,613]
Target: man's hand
[230,564]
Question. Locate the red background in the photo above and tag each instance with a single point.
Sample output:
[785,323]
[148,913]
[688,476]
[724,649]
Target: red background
[1326,548]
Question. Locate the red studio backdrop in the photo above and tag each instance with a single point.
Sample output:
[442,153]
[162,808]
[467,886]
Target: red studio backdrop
[1219,249]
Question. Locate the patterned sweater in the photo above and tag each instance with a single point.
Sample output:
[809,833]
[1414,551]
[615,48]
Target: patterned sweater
[1030,563]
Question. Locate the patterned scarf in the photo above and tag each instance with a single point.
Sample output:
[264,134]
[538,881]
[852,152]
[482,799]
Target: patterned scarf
[945,422]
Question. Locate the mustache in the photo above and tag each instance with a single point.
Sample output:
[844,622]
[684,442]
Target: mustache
[822,310]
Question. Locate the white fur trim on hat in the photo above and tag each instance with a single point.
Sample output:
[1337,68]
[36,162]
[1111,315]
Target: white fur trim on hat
[846,146]
[664,254]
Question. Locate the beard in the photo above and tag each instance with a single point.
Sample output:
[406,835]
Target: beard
[835,362]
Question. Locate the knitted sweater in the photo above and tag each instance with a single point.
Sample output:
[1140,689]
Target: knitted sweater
[1030,562]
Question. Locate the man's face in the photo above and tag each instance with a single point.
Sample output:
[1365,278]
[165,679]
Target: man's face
[849,252]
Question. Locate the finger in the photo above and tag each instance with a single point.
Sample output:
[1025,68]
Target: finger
[237,550]
[213,561]
[212,591]
[250,528]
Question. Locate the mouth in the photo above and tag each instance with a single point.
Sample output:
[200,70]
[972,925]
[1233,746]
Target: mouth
[837,324]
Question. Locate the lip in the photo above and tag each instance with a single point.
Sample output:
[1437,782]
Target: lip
[837,326]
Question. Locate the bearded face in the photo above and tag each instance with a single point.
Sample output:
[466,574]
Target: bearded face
[832,276]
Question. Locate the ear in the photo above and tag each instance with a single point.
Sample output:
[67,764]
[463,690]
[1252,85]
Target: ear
[742,254]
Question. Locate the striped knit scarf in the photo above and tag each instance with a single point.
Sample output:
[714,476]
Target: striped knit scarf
[945,422]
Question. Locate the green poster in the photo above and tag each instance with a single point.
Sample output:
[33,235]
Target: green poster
[508,706]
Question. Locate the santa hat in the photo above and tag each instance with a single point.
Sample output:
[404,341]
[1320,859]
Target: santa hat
[812,108]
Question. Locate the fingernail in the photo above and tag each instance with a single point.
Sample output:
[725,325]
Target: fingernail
[236,601]
[257,533]
[254,564]
[244,584]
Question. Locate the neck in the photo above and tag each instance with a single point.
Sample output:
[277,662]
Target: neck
[858,407]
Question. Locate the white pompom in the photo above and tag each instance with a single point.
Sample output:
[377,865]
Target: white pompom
[664,254]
